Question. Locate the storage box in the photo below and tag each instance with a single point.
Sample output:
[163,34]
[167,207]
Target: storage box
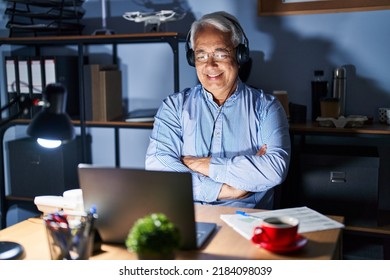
[340,180]
[103,92]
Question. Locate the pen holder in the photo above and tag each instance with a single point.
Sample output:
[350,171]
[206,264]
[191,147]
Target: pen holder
[70,237]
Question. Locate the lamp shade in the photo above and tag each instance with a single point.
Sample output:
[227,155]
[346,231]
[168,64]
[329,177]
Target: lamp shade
[52,122]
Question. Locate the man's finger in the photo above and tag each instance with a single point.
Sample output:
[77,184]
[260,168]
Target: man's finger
[262,150]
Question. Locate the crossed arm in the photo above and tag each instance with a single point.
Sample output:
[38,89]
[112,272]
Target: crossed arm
[202,164]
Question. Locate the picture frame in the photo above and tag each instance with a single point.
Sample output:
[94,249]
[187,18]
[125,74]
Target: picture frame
[291,7]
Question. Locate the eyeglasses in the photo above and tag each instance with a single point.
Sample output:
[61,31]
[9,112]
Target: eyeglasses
[218,55]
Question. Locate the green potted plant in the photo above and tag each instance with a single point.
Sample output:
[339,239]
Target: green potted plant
[153,237]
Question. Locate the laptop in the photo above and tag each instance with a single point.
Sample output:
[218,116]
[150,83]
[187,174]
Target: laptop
[123,195]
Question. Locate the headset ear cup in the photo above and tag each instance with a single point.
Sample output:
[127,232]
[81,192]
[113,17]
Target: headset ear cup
[242,54]
[190,57]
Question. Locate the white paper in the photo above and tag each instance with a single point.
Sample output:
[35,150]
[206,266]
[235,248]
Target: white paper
[309,220]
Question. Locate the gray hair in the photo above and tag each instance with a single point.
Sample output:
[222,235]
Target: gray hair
[222,21]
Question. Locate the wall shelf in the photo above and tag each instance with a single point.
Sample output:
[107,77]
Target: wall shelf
[293,7]
[82,41]
[171,38]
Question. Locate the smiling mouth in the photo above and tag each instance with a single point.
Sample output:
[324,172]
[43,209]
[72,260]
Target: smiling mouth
[214,75]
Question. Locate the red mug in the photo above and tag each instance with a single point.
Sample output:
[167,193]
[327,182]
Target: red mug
[278,231]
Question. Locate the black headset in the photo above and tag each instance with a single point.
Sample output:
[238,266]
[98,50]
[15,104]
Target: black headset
[242,50]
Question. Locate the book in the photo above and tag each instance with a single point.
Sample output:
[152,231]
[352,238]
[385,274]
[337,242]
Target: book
[12,78]
[36,75]
[49,66]
[24,81]
[141,115]
[11,74]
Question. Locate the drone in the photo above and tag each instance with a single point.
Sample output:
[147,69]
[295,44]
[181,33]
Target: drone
[153,17]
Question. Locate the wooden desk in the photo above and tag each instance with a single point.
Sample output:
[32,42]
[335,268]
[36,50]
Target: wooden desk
[225,243]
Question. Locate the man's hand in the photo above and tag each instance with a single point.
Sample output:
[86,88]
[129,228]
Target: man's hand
[262,150]
[197,164]
[202,164]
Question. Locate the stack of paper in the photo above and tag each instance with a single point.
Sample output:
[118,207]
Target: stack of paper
[309,220]
[141,115]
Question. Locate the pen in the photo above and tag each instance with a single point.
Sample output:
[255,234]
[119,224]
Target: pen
[247,215]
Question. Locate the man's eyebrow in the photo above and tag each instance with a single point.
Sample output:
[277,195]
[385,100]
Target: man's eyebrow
[222,49]
[216,49]
[200,51]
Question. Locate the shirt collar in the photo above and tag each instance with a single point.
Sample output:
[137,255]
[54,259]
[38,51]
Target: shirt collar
[232,98]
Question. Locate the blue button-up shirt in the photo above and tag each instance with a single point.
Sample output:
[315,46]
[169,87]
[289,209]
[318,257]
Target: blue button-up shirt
[190,123]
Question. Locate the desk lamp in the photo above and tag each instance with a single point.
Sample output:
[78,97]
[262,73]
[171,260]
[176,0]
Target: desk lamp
[52,125]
